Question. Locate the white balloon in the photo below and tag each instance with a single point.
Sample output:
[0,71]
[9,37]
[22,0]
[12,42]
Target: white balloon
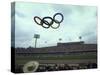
[33,64]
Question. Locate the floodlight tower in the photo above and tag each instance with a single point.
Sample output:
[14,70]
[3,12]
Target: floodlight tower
[36,36]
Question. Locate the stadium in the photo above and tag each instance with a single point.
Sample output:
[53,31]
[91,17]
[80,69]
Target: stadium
[64,56]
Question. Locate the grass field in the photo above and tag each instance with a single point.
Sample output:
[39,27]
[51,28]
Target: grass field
[24,59]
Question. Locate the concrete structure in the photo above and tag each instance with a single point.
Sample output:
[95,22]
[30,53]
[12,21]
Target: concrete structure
[72,47]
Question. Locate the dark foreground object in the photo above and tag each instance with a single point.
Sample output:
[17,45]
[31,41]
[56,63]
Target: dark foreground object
[59,67]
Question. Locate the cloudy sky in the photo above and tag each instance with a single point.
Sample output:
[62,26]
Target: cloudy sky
[78,21]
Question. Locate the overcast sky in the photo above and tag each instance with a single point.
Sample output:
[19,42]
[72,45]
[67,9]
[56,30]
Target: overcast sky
[78,21]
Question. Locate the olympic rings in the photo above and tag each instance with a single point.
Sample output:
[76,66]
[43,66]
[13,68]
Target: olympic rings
[46,24]
[56,15]
[56,26]
[36,17]
[43,21]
